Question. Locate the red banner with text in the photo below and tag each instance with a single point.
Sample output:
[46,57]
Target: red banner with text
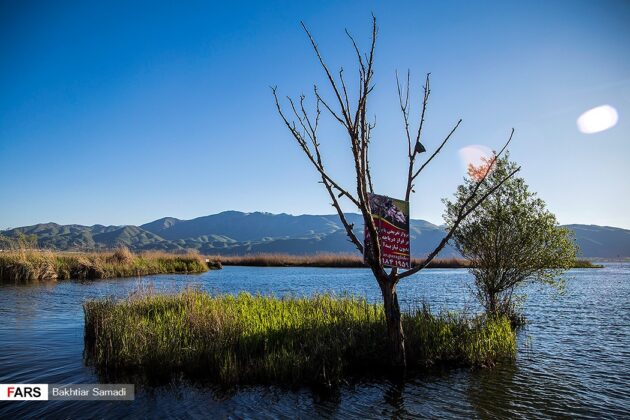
[391,219]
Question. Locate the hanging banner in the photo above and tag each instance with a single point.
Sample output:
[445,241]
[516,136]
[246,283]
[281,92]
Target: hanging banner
[391,219]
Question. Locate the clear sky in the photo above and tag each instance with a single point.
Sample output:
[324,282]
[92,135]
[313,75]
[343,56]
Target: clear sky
[124,112]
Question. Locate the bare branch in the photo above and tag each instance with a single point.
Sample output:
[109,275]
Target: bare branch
[438,149]
[347,226]
[460,219]
[345,91]
[496,156]
[299,118]
[302,142]
[463,211]
[333,84]
[413,150]
[359,132]
[404,109]
[425,101]
[362,133]
[367,160]
[356,49]
[329,188]
[311,128]
[333,113]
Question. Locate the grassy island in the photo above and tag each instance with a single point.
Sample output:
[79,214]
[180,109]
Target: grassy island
[23,266]
[292,340]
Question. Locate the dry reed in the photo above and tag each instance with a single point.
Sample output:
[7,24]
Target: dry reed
[22,266]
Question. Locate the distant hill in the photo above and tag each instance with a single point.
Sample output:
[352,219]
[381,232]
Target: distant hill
[602,241]
[234,232]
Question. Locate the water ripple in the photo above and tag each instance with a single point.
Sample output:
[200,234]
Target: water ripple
[573,358]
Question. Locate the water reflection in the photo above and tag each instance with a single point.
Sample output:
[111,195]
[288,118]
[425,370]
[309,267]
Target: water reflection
[489,392]
[394,398]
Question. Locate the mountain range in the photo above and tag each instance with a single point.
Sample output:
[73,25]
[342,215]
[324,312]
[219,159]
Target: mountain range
[237,233]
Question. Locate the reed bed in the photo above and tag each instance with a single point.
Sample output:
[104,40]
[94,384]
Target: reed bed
[243,339]
[23,266]
[586,264]
[340,260]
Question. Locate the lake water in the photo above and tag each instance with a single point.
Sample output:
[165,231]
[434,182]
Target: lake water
[573,359]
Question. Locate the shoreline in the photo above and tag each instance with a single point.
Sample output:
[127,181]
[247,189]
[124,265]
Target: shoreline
[22,266]
[331,260]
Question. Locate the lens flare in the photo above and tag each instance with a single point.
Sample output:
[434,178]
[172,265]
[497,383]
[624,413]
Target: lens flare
[597,119]
[474,155]
[475,158]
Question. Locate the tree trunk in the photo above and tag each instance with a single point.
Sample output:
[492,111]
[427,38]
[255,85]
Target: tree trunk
[394,324]
[492,302]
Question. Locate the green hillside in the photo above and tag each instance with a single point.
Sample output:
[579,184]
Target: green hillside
[237,233]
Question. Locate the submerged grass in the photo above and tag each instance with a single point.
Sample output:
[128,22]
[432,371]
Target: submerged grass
[261,339]
[28,265]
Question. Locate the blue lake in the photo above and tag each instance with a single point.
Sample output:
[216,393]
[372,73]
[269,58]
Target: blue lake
[573,359]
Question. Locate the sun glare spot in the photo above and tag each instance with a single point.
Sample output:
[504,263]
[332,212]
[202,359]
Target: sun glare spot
[598,119]
[475,159]
[474,155]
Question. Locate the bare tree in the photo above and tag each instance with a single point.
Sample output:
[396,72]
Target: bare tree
[353,117]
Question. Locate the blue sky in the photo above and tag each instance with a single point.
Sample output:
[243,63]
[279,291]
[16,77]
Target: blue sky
[120,114]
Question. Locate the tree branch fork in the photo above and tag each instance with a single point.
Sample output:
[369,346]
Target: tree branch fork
[304,128]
